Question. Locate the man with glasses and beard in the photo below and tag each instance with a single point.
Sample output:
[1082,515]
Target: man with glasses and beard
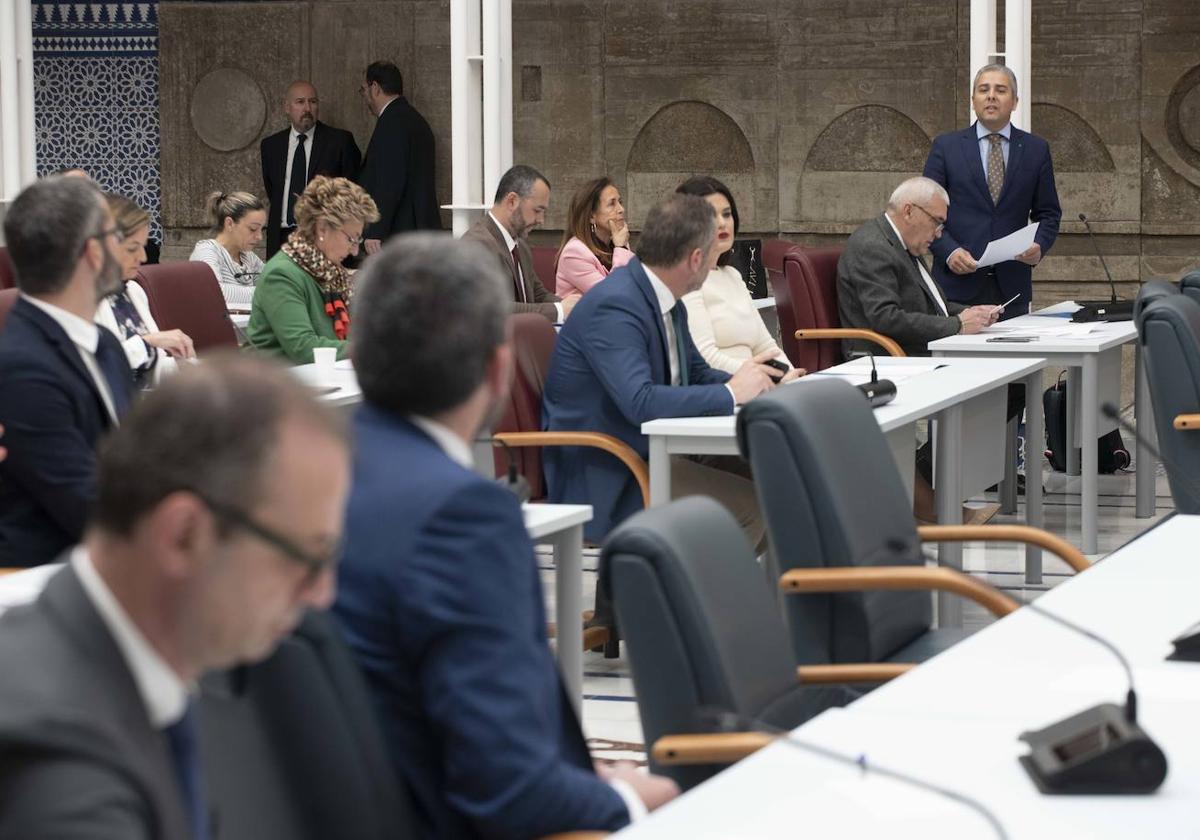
[64,381]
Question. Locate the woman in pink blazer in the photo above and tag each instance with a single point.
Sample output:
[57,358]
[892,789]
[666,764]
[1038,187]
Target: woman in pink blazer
[596,239]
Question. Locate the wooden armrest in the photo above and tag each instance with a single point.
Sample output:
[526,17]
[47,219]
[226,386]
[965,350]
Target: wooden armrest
[578,835]
[852,673]
[8,571]
[714,748]
[1187,422]
[853,579]
[1072,556]
[608,443]
[883,341]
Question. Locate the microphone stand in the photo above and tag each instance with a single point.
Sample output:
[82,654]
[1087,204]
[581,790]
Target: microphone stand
[1102,310]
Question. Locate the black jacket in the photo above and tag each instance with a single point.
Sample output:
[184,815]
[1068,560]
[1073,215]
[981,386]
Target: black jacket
[398,172]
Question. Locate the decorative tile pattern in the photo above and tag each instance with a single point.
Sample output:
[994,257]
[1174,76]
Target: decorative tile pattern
[95,80]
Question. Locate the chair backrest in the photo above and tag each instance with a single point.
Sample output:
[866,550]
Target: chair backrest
[186,296]
[543,264]
[1152,290]
[8,297]
[8,275]
[701,626]
[1169,333]
[293,750]
[829,489]
[805,284]
[533,344]
[1189,284]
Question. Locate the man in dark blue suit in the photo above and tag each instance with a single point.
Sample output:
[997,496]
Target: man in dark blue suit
[64,381]
[999,179]
[625,356]
[440,598]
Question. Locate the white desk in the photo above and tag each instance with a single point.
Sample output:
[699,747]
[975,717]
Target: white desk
[340,390]
[955,720]
[967,397]
[763,303]
[1085,357]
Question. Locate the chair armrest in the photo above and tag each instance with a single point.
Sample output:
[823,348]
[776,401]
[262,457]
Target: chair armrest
[608,443]
[883,341]
[853,579]
[578,835]
[852,673]
[1072,556]
[712,748]
[1186,422]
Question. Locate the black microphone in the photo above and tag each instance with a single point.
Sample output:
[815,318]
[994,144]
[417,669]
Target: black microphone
[1102,310]
[727,721]
[512,479]
[1100,750]
[878,391]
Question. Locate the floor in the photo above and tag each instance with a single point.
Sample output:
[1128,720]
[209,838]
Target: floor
[610,716]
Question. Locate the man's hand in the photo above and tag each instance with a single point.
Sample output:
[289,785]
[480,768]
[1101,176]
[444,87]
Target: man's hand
[961,262]
[620,233]
[976,318]
[176,342]
[654,791]
[752,378]
[568,303]
[1031,257]
[793,374]
[372,245]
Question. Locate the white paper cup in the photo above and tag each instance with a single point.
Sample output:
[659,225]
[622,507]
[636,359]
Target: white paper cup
[325,358]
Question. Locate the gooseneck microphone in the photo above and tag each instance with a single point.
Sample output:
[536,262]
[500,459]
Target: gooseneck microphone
[1102,310]
[878,391]
[512,479]
[727,721]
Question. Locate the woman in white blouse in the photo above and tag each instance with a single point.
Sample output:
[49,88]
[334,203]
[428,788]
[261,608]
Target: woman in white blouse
[238,219]
[724,324]
[151,352]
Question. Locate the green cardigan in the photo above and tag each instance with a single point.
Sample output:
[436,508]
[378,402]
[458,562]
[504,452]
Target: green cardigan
[287,316]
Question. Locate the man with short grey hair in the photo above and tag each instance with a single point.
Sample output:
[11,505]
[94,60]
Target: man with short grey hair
[63,380]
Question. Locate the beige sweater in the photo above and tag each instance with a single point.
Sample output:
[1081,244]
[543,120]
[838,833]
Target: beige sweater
[725,326]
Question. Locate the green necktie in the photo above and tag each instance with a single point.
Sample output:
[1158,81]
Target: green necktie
[677,319]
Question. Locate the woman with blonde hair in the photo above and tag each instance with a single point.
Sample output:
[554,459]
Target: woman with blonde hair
[151,352]
[302,299]
[596,239]
[237,221]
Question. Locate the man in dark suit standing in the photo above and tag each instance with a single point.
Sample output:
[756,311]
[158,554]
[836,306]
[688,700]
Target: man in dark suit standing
[217,519]
[293,157]
[398,170]
[63,380]
[442,606]
[626,356]
[522,198]
[999,179]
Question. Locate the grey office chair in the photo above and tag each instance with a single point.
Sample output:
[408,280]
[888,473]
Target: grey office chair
[834,503]
[1169,334]
[1189,284]
[1154,290]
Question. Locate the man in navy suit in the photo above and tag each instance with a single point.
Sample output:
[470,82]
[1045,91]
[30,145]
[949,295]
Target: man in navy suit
[626,356]
[63,380]
[439,595]
[999,179]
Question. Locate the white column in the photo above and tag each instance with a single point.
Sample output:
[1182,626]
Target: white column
[1018,34]
[17,153]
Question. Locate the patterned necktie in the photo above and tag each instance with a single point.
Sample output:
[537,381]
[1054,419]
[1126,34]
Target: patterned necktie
[520,286]
[995,167]
[299,179]
[681,354]
[185,753]
[111,360]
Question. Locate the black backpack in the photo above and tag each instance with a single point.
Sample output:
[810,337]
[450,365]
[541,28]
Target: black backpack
[1111,449]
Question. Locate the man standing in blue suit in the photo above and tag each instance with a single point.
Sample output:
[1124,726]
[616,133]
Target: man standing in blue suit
[440,598]
[999,179]
[625,356]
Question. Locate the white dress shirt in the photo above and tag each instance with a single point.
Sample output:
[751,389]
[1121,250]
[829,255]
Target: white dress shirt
[293,142]
[163,692]
[511,243]
[985,145]
[85,335]
[929,284]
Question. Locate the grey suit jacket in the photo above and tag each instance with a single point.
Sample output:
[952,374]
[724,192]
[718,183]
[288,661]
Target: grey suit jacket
[78,756]
[880,288]
[537,298]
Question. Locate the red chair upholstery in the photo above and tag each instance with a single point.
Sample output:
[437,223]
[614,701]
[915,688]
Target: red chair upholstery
[186,296]
[8,276]
[533,342]
[7,298]
[543,264]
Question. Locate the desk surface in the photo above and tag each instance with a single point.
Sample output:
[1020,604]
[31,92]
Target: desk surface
[343,382]
[954,721]
[948,381]
[1103,336]
[544,519]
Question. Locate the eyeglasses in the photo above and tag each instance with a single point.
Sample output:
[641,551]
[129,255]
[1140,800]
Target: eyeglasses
[114,232]
[941,223]
[353,240]
[314,565]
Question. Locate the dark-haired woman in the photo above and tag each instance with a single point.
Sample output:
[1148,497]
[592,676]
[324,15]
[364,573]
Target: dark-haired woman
[596,239]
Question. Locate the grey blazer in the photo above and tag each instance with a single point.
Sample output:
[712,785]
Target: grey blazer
[879,288]
[78,757]
[537,298]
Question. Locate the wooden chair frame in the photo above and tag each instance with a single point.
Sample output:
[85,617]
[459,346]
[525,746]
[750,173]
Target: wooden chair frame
[892,348]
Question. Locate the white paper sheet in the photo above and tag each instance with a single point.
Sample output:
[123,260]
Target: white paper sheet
[1008,247]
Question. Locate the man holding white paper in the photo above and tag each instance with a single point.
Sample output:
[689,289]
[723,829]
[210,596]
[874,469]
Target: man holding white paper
[1000,179]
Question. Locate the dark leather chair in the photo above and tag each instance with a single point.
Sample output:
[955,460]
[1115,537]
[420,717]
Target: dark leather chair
[1169,335]
[8,297]
[1153,290]
[544,257]
[836,509]
[8,275]
[805,284]
[186,296]
[1189,284]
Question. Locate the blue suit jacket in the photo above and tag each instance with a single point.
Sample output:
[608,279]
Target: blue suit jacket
[441,603]
[1028,195]
[610,373]
[52,416]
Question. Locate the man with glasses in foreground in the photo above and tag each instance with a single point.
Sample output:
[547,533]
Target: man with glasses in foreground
[63,380]
[217,522]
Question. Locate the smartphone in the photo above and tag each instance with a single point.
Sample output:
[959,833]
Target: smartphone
[779,366]
[1012,339]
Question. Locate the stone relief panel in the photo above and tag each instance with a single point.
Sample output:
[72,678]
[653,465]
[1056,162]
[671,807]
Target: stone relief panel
[870,138]
[227,109]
